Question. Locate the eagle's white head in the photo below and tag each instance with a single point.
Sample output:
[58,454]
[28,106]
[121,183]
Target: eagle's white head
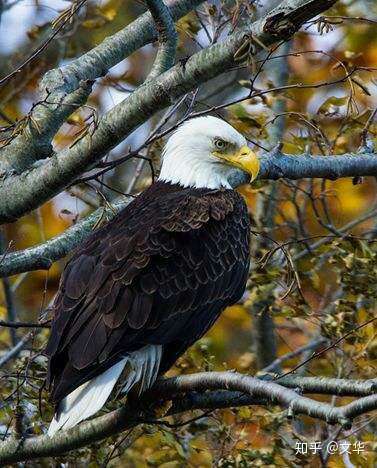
[207,152]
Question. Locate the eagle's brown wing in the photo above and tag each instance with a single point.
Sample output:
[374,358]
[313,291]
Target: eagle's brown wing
[158,273]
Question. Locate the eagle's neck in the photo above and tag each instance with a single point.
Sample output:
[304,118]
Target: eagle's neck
[189,170]
[201,175]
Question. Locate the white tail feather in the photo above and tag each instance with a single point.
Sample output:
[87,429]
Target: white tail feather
[140,367]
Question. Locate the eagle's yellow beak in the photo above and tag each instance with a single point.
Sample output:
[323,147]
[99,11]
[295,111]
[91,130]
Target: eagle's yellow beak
[245,159]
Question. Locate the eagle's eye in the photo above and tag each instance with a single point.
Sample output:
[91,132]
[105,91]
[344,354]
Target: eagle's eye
[220,144]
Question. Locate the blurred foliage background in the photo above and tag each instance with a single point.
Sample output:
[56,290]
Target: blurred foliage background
[314,272]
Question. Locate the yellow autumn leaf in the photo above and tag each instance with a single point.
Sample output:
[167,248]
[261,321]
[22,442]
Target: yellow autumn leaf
[352,200]
[93,23]
[109,13]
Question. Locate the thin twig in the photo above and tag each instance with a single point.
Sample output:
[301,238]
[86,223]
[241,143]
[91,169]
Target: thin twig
[43,46]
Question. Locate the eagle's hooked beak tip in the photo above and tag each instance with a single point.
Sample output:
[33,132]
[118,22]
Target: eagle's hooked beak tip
[248,161]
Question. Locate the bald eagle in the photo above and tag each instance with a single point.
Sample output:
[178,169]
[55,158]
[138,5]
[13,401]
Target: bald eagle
[144,287]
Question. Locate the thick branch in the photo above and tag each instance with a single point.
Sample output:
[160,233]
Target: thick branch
[277,165]
[167,37]
[239,390]
[43,255]
[327,386]
[272,391]
[20,194]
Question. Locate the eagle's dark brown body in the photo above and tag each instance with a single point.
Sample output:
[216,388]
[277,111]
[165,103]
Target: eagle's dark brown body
[160,272]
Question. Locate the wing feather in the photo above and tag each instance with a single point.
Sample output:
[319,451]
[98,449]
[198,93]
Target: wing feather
[87,346]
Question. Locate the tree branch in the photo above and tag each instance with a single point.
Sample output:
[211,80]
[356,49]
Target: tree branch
[167,38]
[13,352]
[188,392]
[329,386]
[8,295]
[274,366]
[7,324]
[276,165]
[43,255]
